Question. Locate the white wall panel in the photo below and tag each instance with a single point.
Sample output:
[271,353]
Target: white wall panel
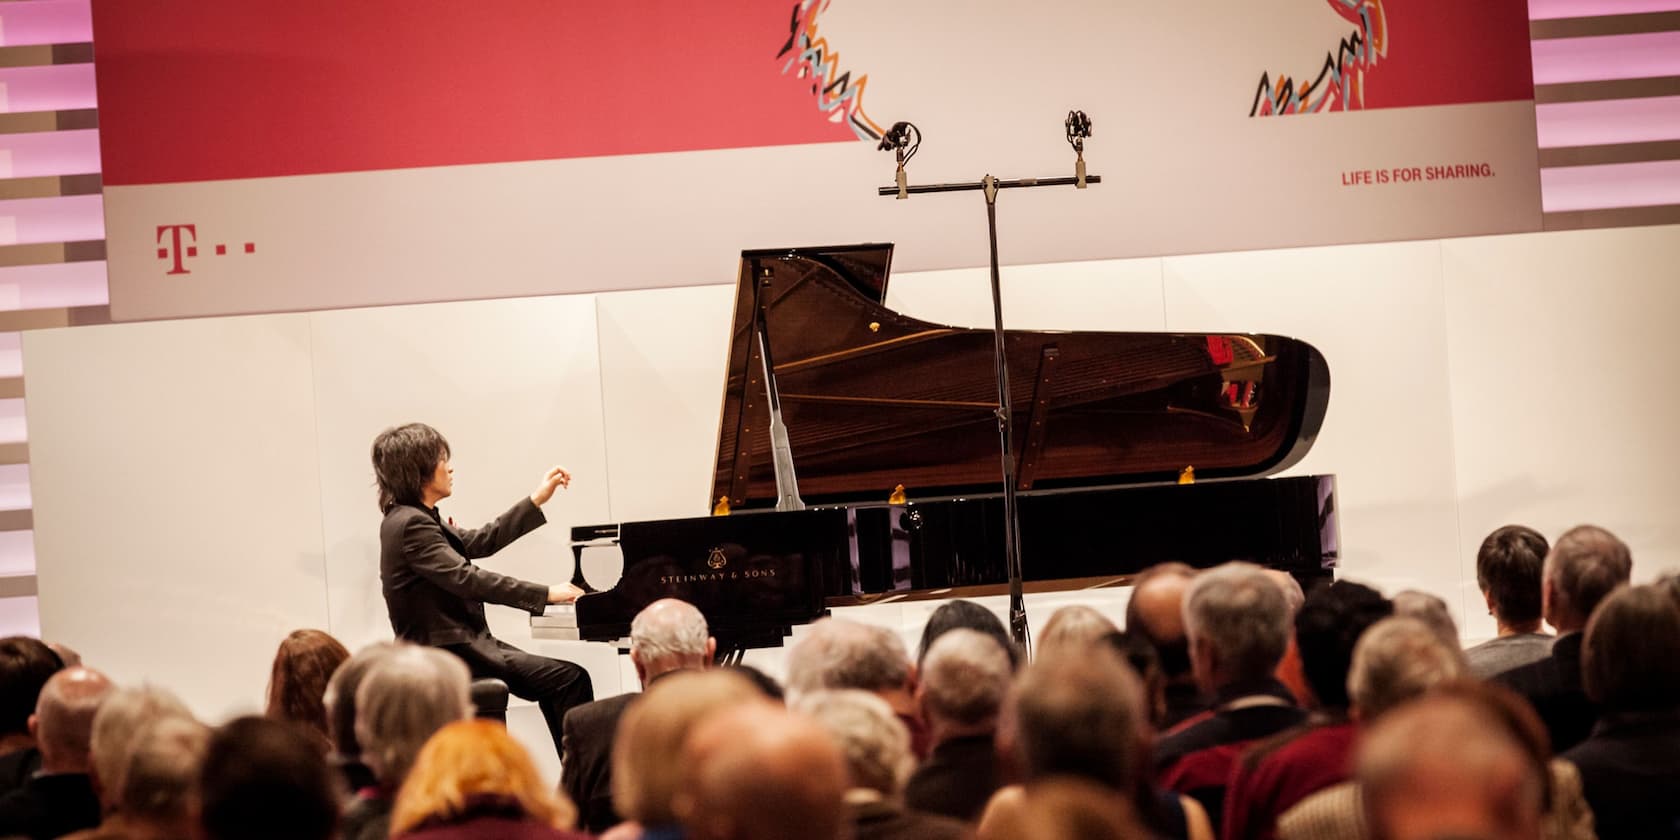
[177,499]
[1562,373]
[514,385]
[1376,313]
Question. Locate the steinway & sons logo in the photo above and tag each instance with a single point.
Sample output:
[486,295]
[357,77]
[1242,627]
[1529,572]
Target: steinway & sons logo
[718,561]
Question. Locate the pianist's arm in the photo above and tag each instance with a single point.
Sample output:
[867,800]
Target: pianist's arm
[430,556]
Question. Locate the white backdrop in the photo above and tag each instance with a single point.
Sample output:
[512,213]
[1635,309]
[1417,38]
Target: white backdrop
[201,487]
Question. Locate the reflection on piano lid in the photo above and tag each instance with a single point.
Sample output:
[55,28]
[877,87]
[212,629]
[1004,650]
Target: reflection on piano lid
[871,398]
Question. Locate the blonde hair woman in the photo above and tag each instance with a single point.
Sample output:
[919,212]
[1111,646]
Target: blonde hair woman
[472,781]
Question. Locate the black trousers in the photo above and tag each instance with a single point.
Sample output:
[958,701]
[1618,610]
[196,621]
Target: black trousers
[555,684]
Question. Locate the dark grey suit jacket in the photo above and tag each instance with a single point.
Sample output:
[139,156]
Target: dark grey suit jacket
[586,760]
[433,592]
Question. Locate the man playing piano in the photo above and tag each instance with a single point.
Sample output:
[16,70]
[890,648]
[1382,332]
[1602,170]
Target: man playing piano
[434,593]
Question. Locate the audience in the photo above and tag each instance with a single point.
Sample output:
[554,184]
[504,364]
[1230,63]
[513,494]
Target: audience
[760,773]
[407,695]
[339,699]
[966,615]
[1282,771]
[303,664]
[1080,714]
[263,779]
[1429,609]
[1238,622]
[122,718]
[837,653]
[964,678]
[25,666]
[1288,670]
[1155,612]
[1067,807]
[1508,571]
[878,762]
[645,777]
[1630,765]
[666,636]
[1074,627]
[472,781]
[59,798]
[1583,567]
[152,802]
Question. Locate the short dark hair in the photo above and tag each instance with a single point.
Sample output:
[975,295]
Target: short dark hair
[25,666]
[264,779]
[1630,660]
[1328,626]
[1585,565]
[971,616]
[404,460]
[1508,568]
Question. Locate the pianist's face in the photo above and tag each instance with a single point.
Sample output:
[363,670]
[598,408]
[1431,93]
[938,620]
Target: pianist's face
[443,480]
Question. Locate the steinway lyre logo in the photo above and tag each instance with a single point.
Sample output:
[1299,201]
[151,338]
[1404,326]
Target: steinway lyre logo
[716,559]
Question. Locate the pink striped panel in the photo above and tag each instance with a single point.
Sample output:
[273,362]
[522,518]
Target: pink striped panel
[52,87]
[1605,57]
[1552,9]
[53,286]
[20,616]
[11,355]
[14,487]
[48,153]
[1648,184]
[63,218]
[1646,120]
[13,428]
[17,553]
[45,22]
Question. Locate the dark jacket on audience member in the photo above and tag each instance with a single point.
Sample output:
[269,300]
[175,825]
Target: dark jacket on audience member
[887,820]
[50,806]
[586,760]
[489,819]
[1197,758]
[368,817]
[16,767]
[1553,686]
[956,780]
[1630,773]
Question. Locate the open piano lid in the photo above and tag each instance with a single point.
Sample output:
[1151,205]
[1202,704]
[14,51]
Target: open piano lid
[873,398]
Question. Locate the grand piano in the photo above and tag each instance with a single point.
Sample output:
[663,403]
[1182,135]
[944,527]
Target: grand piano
[891,424]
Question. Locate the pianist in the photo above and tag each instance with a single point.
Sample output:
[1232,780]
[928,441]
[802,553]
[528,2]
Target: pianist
[434,593]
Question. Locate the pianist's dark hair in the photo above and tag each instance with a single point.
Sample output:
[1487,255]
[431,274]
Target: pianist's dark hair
[404,459]
[968,615]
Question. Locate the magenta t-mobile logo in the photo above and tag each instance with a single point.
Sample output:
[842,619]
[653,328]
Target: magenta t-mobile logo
[182,245]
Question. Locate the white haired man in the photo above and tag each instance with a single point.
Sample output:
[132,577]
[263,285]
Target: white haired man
[408,694]
[878,762]
[668,635]
[836,653]
[964,678]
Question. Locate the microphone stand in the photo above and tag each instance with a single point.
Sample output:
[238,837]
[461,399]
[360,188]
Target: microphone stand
[898,138]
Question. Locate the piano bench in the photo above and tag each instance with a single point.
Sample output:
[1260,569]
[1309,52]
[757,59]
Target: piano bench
[490,698]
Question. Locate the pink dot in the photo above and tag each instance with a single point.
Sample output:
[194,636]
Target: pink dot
[220,250]
[192,251]
[163,253]
[250,247]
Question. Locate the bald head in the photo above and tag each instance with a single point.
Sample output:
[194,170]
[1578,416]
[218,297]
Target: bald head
[1156,613]
[669,635]
[762,773]
[63,720]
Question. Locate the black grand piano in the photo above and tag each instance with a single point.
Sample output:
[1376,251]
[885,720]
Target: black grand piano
[892,428]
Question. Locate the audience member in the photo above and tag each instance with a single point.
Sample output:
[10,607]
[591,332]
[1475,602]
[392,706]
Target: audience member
[966,615]
[339,700]
[152,802]
[67,656]
[1583,567]
[59,798]
[1074,628]
[645,778]
[1067,807]
[1283,770]
[666,636]
[1288,670]
[1156,612]
[878,763]
[1138,653]
[1442,767]
[303,664]
[964,678]
[405,696]
[263,779]
[760,680]
[837,653]
[1082,715]
[761,773]
[25,666]
[1630,664]
[1508,571]
[1431,610]
[122,717]
[472,781]
[1238,623]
